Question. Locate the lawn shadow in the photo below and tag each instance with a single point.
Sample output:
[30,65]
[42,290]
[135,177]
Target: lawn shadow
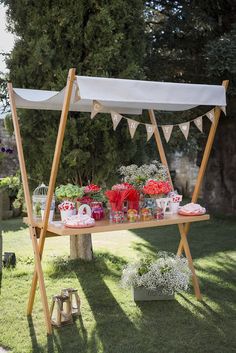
[13,225]
[118,325]
[58,340]
[205,238]
[110,319]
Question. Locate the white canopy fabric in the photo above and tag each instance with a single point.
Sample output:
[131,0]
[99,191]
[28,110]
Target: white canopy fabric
[124,96]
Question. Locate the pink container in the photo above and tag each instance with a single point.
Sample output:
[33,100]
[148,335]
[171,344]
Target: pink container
[97,211]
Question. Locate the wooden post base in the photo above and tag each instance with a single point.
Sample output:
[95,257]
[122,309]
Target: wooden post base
[81,247]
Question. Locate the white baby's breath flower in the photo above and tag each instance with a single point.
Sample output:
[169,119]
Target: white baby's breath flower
[169,273]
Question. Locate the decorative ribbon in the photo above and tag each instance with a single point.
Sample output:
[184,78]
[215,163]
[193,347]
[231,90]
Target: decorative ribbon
[150,128]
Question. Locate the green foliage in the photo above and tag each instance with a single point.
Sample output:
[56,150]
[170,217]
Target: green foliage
[14,188]
[11,184]
[189,41]
[97,38]
[69,191]
[221,58]
[8,124]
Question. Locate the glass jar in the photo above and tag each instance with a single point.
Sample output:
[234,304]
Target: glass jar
[97,210]
[117,216]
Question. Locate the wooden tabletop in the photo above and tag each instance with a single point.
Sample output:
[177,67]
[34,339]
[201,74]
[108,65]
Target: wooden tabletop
[57,228]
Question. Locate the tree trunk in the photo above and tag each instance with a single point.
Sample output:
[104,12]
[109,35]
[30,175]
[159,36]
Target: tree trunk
[81,247]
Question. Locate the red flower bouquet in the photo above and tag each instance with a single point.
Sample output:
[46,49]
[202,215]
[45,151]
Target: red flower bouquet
[154,187]
[117,198]
[91,188]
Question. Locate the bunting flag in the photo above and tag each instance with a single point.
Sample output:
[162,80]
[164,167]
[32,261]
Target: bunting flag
[116,118]
[132,126]
[211,115]
[167,130]
[223,109]
[184,127]
[150,130]
[198,123]
[97,107]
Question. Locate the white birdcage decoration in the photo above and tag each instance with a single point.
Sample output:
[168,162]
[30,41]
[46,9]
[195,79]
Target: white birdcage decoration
[39,202]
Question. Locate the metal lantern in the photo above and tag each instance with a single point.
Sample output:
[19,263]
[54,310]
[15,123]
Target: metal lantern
[39,201]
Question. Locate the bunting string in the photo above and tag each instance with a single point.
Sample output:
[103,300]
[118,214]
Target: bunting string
[150,128]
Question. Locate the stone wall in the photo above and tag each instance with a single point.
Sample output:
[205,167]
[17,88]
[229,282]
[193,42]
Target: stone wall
[186,172]
[219,186]
[8,162]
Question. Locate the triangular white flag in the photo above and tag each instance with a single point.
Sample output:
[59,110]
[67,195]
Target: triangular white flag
[184,127]
[150,130]
[97,107]
[116,118]
[223,108]
[167,130]
[198,123]
[132,126]
[211,115]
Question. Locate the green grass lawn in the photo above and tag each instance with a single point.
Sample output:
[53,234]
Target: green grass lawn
[111,322]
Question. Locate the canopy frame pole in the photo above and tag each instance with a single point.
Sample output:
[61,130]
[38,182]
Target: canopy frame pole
[183,236]
[53,176]
[33,235]
[205,158]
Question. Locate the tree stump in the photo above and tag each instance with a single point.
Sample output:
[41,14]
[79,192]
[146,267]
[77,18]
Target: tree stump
[81,247]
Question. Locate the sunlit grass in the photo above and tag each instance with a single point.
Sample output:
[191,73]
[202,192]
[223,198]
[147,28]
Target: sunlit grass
[111,322]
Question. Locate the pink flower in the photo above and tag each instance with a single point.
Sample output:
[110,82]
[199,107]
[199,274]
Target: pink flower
[123,186]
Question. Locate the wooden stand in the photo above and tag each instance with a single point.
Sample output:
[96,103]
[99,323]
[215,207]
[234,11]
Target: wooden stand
[44,229]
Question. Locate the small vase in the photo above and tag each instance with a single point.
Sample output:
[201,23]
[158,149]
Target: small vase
[117,216]
[163,203]
[97,210]
[144,294]
[66,213]
[51,214]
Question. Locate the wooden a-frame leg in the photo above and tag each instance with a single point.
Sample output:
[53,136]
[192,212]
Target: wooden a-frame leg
[32,230]
[205,158]
[183,229]
[54,170]
[190,261]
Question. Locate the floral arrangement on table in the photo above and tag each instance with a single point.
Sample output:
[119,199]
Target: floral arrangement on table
[167,274]
[155,188]
[92,192]
[138,176]
[120,193]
